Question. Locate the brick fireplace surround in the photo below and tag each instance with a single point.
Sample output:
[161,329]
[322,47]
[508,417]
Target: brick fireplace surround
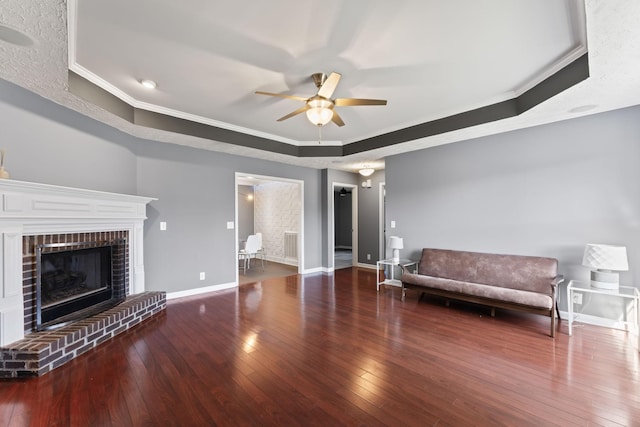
[39,213]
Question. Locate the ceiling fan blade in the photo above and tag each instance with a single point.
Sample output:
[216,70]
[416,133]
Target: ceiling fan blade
[329,85]
[294,113]
[350,102]
[281,95]
[337,119]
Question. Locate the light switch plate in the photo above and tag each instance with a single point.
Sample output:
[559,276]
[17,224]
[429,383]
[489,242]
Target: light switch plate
[393,224]
[163,226]
[229,225]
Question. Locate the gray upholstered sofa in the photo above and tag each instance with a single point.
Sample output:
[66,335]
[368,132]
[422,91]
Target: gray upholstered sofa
[515,282]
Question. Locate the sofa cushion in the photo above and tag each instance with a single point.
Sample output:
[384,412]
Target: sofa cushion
[516,296]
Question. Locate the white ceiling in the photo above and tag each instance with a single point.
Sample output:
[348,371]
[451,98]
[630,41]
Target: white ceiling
[429,59]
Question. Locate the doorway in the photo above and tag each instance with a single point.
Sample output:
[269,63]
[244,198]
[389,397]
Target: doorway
[344,235]
[272,208]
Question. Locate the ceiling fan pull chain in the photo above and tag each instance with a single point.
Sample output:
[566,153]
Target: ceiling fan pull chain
[319,134]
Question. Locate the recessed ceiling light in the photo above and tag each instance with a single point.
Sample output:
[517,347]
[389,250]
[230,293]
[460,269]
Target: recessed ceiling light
[582,108]
[149,84]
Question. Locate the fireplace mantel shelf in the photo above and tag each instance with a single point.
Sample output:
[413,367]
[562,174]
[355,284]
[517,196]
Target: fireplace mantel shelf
[32,200]
[31,209]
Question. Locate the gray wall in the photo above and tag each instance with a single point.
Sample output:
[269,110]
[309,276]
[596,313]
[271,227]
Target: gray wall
[196,196]
[50,144]
[546,190]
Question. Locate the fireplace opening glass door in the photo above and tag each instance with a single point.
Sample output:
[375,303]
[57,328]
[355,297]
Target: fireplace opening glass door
[73,281]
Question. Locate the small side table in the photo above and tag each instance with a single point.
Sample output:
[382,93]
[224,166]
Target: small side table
[381,264]
[577,289]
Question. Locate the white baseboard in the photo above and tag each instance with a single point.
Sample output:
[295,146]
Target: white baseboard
[315,270]
[595,320]
[292,262]
[361,265]
[198,291]
[371,266]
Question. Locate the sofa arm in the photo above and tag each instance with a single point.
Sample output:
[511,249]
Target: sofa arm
[409,269]
[557,280]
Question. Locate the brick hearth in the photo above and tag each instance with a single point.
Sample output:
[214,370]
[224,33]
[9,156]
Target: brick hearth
[40,352]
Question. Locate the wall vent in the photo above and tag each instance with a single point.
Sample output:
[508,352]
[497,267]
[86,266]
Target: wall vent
[290,245]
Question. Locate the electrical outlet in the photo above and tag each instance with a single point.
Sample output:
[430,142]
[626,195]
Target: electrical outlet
[163,226]
[368,257]
[577,299]
[202,275]
[393,224]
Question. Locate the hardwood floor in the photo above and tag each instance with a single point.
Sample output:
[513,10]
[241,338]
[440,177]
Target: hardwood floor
[270,270]
[330,351]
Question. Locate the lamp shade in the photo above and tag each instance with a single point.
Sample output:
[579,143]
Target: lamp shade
[605,257]
[395,242]
[366,171]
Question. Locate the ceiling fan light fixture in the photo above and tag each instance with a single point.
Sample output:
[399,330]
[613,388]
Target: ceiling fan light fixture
[320,107]
[366,171]
[319,116]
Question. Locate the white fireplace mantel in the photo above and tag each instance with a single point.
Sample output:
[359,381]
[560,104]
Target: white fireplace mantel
[31,209]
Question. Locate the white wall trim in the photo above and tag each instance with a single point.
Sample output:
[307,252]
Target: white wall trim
[279,260]
[369,266]
[381,220]
[595,320]
[198,291]
[315,270]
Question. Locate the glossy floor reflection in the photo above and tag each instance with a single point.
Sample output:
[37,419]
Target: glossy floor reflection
[268,270]
[329,350]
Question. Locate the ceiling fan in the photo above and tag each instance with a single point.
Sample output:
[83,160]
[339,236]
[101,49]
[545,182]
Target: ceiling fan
[320,108]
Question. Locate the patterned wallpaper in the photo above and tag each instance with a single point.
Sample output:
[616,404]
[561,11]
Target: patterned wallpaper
[277,209]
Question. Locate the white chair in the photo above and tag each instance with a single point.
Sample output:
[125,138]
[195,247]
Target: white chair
[262,252]
[250,251]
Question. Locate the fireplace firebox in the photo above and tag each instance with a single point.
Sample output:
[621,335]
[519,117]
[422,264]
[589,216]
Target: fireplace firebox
[75,280]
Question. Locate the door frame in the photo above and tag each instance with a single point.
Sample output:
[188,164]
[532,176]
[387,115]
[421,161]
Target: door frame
[354,224]
[382,194]
[300,183]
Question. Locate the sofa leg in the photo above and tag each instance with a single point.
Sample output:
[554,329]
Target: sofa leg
[493,312]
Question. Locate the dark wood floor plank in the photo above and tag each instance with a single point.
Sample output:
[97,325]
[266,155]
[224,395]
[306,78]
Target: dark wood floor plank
[330,350]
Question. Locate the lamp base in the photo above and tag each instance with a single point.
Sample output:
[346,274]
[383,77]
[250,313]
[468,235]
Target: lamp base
[395,256]
[606,280]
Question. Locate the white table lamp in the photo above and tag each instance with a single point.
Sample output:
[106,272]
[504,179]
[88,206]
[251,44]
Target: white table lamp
[395,243]
[605,261]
